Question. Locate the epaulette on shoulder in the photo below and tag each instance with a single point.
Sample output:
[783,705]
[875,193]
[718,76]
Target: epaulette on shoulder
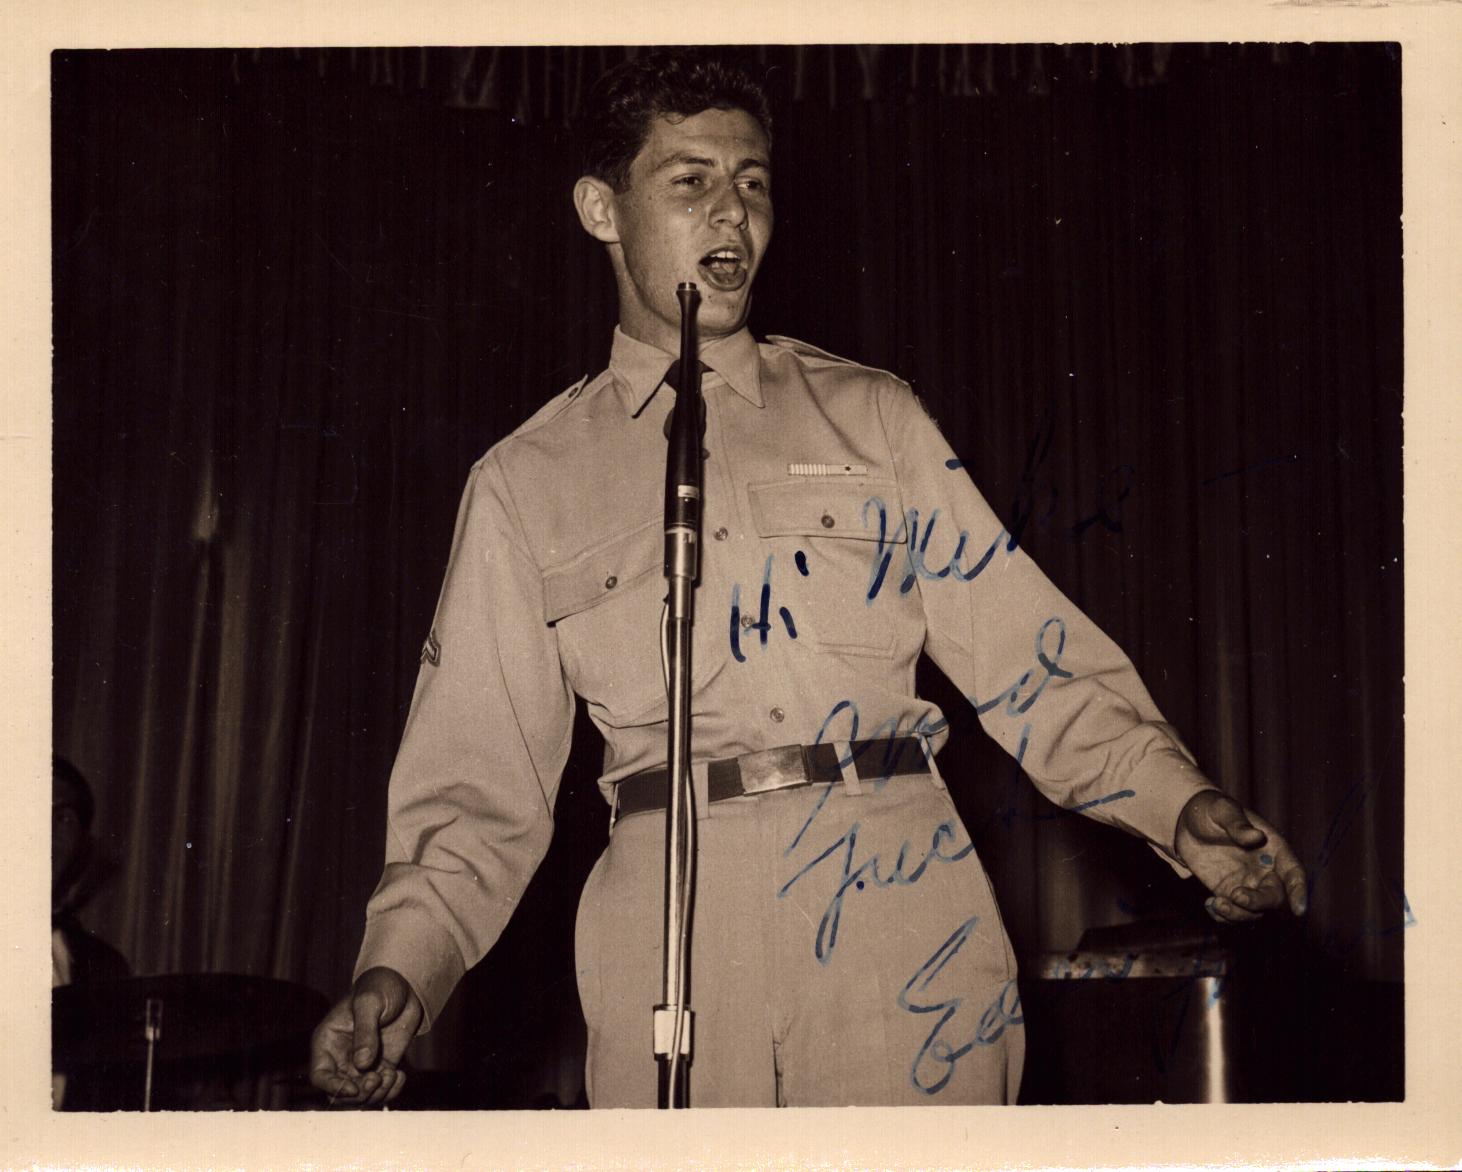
[553,407]
[808,350]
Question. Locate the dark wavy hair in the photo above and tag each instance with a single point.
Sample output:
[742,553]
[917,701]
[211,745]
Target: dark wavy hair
[677,81]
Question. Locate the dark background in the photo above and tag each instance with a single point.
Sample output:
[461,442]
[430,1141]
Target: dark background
[1151,293]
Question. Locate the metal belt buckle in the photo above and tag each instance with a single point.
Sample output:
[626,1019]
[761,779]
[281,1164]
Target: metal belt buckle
[769,769]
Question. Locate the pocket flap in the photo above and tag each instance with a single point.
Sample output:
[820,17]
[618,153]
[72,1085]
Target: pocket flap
[827,507]
[603,570]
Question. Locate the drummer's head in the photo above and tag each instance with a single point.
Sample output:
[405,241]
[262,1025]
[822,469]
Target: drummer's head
[72,809]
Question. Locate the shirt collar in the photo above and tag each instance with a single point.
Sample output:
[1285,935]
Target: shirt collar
[639,368]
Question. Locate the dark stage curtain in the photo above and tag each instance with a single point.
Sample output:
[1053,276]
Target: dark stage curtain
[1152,294]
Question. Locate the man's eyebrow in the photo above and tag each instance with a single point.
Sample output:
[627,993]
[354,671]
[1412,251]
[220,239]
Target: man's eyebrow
[683,158]
[686,158]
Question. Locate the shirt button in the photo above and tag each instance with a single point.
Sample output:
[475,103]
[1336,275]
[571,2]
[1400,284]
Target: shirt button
[720,534]
[827,521]
[747,620]
[778,715]
[611,582]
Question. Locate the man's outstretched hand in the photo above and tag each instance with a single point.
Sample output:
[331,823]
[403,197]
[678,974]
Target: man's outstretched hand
[1239,857]
[355,1053]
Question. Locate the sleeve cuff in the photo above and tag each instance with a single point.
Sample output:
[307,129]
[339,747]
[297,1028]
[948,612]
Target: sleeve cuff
[422,951]
[1163,782]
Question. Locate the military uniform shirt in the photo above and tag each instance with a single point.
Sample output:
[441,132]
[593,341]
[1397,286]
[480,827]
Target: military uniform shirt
[840,538]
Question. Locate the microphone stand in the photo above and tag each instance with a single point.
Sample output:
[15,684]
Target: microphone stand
[152,1032]
[672,1017]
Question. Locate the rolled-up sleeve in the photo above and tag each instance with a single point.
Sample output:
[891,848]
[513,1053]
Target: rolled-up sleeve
[1048,684]
[470,806]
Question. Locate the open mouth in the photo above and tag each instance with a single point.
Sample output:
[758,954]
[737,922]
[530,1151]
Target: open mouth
[724,268]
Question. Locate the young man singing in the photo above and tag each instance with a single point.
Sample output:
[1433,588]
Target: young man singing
[846,947]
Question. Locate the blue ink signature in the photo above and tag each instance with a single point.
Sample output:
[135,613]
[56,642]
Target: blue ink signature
[1018,702]
[886,731]
[1032,486]
[1166,1032]
[907,537]
[1334,942]
[1036,495]
[1050,665]
[1011,695]
[1004,1011]
[858,878]
[1009,813]
[1203,967]
[1108,509]
[1023,507]
[1292,458]
[1017,698]
[763,625]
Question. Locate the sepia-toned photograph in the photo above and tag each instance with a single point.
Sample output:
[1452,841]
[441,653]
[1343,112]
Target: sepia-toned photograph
[750,576]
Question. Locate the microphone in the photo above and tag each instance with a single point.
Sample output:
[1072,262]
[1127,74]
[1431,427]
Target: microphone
[683,461]
[672,1016]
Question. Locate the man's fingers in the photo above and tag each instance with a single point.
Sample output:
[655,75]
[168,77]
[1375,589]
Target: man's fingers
[334,1084]
[381,1089]
[1227,912]
[1249,899]
[327,1074]
[1248,836]
[1214,817]
[367,1035]
[1292,875]
[1239,857]
[1286,873]
[1299,899]
[343,1093]
[1233,820]
[330,1077]
[353,1059]
[1261,896]
[330,1068]
[373,1089]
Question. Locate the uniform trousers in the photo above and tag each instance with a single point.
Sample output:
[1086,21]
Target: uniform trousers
[846,950]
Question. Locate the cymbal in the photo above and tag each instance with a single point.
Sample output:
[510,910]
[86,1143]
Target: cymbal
[203,1015]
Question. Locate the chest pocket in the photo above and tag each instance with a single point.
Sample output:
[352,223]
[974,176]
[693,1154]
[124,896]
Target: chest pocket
[606,604]
[844,530]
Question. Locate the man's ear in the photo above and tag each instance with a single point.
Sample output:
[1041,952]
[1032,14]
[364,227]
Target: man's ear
[594,201]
